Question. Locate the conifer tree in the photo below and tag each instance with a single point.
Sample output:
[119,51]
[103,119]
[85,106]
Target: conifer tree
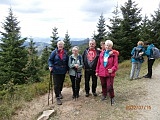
[12,52]
[145,30]
[32,68]
[115,29]
[54,39]
[44,58]
[129,27]
[155,27]
[101,31]
[67,42]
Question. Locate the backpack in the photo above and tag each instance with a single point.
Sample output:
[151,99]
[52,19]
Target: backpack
[136,55]
[155,53]
[79,58]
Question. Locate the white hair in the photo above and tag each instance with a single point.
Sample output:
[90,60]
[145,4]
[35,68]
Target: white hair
[60,42]
[75,48]
[109,42]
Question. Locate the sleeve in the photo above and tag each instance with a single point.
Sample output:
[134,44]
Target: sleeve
[70,64]
[148,51]
[81,65]
[132,52]
[51,59]
[115,66]
[98,64]
[115,52]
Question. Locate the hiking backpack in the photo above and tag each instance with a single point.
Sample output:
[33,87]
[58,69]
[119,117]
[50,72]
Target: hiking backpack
[155,53]
[79,58]
[136,55]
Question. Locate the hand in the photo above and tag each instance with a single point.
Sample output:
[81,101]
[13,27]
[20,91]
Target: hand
[96,74]
[111,52]
[50,69]
[76,65]
[141,53]
[110,71]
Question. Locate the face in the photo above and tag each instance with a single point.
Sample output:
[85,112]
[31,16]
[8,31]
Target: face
[60,46]
[103,46]
[75,51]
[108,46]
[92,44]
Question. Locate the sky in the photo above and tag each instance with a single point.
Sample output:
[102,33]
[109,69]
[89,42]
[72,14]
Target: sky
[77,17]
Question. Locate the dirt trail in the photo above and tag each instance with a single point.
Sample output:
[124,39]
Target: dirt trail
[144,93]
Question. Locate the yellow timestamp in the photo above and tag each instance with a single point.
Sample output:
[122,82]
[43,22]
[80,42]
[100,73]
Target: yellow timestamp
[138,107]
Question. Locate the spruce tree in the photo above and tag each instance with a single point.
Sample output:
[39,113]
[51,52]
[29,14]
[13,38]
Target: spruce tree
[155,27]
[67,42]
[44,58]
[145,29]
[12,52]
[32,68]
[101,31]
[54,39]
[114,33]
[129,27]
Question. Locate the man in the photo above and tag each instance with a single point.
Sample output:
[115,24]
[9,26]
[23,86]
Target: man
[90,59]
[151,60]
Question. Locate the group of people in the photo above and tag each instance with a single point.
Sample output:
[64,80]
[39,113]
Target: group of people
[142,49]
[102,63]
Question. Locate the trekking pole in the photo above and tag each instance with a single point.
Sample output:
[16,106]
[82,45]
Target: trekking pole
[76,96]
[50,88]
[111,87]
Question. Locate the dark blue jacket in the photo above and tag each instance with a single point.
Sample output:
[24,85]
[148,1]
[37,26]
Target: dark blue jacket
[60,66]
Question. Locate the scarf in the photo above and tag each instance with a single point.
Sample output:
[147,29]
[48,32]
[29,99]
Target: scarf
[106,55]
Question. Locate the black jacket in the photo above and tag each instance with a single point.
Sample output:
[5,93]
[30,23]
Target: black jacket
[93,63]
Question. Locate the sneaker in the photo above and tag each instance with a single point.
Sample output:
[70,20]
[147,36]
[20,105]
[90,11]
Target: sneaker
[60,96]
[87,95]
[59,101]
[103,98]
[95,94]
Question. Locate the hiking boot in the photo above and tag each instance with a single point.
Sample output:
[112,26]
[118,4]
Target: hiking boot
[59,101]
[95,94]
[87,95]
[103,98]
[60,96]
[112,101]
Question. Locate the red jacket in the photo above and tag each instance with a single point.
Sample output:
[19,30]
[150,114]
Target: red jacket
[112,64]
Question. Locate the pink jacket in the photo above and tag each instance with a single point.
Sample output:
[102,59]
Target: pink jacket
[112,64]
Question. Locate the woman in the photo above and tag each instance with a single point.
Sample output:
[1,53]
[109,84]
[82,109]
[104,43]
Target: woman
[75,64]
[106,67]
[137,60]
[58,65]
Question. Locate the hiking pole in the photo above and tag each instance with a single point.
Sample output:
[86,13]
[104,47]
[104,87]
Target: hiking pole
[76,77]
[50,90]
[110,87]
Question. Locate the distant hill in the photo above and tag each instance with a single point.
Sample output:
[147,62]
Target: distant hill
[41,45]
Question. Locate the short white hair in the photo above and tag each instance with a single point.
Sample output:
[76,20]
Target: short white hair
[75,48]
[60,42]
[109,42]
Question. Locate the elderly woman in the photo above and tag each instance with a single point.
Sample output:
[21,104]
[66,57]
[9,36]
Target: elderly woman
[75,64]
[106,67]
[58,65]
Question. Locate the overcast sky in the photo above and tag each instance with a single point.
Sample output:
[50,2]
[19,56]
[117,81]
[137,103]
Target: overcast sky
[78,17]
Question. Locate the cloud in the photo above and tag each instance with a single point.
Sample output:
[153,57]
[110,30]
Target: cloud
[93,8]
